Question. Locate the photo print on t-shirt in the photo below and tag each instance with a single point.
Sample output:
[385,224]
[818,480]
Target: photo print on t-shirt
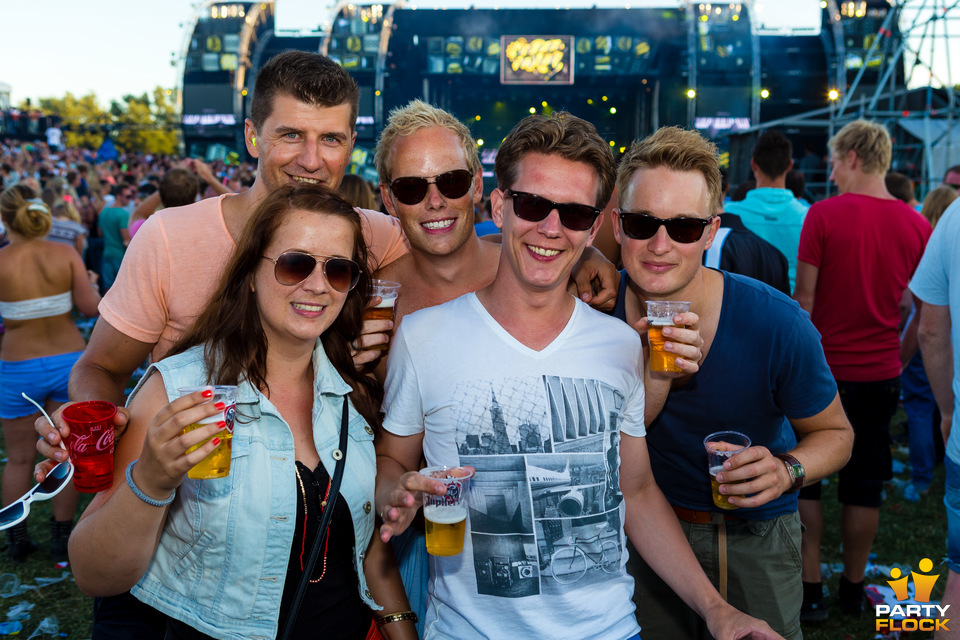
[545,501]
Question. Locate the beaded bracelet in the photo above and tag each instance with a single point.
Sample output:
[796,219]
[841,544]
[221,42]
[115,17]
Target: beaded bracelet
[140,494]
[396,617]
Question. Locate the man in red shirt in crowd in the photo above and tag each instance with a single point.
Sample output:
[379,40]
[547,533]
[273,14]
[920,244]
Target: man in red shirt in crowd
[857,253]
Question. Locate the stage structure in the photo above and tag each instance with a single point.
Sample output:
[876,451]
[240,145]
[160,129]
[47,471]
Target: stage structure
[900,75]
[628,67]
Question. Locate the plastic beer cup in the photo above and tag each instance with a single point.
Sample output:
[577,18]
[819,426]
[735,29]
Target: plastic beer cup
[217,464]
[388,292]
[446,515]
[91,443]
[720,447]
[659,315]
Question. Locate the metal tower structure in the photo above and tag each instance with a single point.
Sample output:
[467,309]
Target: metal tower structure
[904,80]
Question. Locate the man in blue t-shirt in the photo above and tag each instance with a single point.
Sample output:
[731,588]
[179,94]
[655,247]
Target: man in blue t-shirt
[762,372]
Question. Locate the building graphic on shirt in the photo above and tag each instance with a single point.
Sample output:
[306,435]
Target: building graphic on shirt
[545,502]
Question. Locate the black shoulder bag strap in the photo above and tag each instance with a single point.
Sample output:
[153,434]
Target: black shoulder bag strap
[322,529]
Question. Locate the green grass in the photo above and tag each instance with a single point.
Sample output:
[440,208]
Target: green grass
[74,610]
[908,532]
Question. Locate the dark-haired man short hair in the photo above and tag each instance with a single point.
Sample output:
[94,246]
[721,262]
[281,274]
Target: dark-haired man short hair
[771,210]
[902,188]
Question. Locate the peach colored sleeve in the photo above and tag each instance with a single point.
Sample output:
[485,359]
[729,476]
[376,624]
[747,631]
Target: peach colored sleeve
[385,238]
[135,305]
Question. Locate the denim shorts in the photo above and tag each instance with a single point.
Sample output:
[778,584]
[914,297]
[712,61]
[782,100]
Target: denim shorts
[40,378]
[951,499]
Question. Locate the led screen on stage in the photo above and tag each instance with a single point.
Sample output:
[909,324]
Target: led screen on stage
[536,60]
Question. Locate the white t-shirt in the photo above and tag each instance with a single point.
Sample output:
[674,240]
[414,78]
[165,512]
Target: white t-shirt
[544,552]
[54,136]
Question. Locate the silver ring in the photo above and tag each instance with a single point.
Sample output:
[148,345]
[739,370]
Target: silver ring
[353,345]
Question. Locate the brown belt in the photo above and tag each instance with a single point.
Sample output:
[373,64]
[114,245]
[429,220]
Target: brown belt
[698,517]
[706,517]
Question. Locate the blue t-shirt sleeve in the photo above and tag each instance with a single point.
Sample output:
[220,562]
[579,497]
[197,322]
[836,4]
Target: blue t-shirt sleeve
[803,383]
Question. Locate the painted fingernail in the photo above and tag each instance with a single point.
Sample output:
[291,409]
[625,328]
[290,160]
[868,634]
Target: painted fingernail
[207,393]
[219,406]
[216,441]
[222,424]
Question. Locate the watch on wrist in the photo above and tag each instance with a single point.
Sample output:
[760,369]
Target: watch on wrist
[794,469]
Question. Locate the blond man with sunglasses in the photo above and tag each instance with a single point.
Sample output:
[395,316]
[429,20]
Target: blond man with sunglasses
[760,362]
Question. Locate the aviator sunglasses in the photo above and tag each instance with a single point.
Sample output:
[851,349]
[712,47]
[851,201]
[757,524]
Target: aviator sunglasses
[534,208]
[641,226]
[293,267]
[58,478]
[452,184]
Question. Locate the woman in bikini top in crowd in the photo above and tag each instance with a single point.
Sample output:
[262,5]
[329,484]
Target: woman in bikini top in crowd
[40,282]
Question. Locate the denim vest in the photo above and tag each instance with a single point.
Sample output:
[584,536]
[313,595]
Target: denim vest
[222,558]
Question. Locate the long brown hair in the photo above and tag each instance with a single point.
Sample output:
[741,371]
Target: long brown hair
[235,345]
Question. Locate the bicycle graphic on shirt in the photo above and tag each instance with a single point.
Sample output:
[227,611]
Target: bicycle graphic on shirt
[570,561]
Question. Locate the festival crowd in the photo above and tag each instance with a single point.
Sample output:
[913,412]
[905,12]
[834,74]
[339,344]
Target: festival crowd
[522,356]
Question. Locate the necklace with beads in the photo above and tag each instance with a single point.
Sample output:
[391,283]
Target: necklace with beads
[303,540]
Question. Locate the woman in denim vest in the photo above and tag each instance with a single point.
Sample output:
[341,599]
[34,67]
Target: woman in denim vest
[223,557]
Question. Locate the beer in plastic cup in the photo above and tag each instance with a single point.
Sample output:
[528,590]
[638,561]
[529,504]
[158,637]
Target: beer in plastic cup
[659,315]
[217,464]
[446,515]
[388,292]
[91,443]
[721,446]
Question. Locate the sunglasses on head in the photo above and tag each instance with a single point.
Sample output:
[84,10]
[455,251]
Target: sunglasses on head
[452,184]
[58,478]
[293,267]
[641,226]
[534,208]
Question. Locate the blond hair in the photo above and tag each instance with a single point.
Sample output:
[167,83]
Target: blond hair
[871,142]
[937,202]
[409,119]
[675,149]
[24,213]
[66,211]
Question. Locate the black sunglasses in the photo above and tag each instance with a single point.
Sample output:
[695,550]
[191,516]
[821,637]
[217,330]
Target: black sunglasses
[534,208]
[293,267]
[58,478]
[641,226]
[452,184]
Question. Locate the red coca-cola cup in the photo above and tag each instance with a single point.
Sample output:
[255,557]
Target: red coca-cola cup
[91,444]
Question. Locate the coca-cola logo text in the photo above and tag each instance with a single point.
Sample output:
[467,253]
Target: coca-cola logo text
[96,441]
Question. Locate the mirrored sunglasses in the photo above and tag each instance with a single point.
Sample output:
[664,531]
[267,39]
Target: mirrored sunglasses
[641,226]
[16,512]
[452,184]
[534,208]
[293,267]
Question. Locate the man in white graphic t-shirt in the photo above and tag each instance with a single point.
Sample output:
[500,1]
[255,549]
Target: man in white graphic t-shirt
[544,398]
